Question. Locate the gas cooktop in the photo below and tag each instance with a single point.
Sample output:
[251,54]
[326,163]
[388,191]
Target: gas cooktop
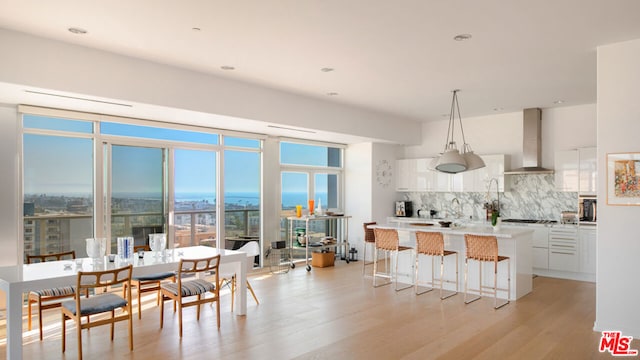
[530,221]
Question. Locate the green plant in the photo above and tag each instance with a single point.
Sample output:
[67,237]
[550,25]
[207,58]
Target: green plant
[494,217]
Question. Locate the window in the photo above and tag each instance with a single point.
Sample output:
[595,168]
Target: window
[58,193]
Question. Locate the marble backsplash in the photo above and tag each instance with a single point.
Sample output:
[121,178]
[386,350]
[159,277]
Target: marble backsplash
[525,197]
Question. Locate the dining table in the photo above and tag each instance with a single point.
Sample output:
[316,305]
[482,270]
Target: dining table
[17,280]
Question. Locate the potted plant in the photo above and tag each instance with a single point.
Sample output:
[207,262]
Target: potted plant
[496,220]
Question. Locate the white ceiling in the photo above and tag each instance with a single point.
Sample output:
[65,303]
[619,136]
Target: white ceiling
[395,57]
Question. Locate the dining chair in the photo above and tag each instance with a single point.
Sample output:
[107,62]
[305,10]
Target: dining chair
[228,276]
[388,241]
[99,304]
[52,297]
[483,249]
[196,286]
[149,282]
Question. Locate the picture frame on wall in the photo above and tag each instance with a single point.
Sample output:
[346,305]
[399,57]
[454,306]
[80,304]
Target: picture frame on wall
[623,178]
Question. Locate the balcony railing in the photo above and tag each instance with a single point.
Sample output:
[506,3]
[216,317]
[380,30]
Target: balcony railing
[64,232]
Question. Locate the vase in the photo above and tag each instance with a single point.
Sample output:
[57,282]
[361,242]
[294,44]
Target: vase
[498,224]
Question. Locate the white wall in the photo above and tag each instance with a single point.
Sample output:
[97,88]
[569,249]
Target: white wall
[563,128]
[11,253]
[618,293]
[358,190]
[36,62]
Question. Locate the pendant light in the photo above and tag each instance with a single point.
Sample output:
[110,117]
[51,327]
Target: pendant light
[452,161]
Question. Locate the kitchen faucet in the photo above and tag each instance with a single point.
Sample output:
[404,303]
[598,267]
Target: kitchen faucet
[493,205]
[458,212]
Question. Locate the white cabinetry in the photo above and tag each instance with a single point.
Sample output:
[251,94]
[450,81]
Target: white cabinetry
[415,175]
[563,248]
[588,170]
[478,180]
[587,249]
[566,170]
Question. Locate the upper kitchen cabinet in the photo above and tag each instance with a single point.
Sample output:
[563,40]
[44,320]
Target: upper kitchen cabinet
[577,170]
[415,175]
[478,180]
[588,172]
[566,170]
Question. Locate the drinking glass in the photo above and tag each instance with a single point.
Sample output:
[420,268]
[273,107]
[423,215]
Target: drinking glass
[158,242]
[96,247]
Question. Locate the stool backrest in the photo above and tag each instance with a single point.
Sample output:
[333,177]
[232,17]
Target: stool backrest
[387,239]
[369,234]
[481,247]
[430,243]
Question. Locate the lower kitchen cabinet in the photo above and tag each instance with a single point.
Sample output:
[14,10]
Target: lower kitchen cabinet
[540,258]
[588,249]
[563,249]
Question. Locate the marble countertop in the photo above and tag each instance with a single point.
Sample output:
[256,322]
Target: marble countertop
[474,229]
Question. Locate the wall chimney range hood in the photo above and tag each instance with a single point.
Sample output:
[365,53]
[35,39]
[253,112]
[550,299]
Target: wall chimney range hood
[531,144]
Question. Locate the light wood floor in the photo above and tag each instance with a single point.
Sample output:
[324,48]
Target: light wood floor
[334,313]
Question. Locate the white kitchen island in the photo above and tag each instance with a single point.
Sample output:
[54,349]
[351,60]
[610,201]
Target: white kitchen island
[512,242]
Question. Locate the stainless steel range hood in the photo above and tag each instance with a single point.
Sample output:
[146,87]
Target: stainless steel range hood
[531,144]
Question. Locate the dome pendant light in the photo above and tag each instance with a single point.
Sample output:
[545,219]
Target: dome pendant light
[451,161]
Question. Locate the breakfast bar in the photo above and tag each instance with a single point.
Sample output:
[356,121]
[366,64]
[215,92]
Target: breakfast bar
[512,242]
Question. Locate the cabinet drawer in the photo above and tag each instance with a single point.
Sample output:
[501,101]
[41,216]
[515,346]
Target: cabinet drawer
[563,260]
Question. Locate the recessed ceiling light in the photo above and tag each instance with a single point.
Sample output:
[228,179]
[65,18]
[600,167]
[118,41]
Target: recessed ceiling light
[462,37]
[333,94]
[327,69]
[227,67]
[77,30]
[558,102]
[498,109]
[196,29]
[445,115]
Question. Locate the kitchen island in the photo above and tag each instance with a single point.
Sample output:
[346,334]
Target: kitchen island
[512,242]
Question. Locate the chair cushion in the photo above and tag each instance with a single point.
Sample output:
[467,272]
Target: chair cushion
[60,291]
[190,288]
[156,276]
[96,304]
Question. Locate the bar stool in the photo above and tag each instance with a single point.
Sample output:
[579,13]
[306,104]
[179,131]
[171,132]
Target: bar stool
[485,249]
[369,239]
[387,240]
[432,244]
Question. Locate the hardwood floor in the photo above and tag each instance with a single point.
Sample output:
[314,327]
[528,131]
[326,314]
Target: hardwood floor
[335,313]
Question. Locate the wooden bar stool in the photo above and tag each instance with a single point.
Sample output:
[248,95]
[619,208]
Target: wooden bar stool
[432,244]
[369,239]
[485,249]
[387,240]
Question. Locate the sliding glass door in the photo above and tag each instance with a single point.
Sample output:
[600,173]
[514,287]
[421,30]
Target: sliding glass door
[137,192]
[195,197]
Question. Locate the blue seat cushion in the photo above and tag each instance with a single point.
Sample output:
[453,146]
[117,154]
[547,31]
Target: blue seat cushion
[59,291]
[154,277]
[96,304]
[190,288]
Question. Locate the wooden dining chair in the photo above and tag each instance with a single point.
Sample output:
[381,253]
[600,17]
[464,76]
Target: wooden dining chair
[52,297]
[99,304]
[149,282]
[195,286]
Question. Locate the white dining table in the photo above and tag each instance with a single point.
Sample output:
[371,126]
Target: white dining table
[17,280]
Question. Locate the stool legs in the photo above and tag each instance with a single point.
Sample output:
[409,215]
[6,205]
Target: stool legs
[481,287]
[389,275]
[440,281]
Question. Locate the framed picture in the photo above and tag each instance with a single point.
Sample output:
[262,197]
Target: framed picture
[623,179]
